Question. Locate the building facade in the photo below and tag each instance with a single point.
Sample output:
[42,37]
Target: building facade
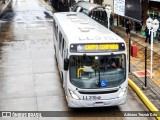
[144,8]
[149,8]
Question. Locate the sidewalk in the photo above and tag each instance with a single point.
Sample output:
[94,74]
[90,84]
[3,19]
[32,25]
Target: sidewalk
[3,6]
[138,38]
[137,64]
[141,44]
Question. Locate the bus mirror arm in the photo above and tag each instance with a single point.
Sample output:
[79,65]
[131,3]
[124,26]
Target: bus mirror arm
[66,64]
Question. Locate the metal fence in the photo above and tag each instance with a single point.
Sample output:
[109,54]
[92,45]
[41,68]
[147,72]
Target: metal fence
[139,59]
[137,66]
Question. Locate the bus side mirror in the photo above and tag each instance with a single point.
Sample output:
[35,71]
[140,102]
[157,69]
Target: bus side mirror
[66,64]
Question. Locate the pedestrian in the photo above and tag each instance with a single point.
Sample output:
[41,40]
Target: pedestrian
[147,35]
[128,28]
[123,21]
[111,20]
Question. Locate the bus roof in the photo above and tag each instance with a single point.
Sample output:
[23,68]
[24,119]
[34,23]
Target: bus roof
[79,28]
[88,5]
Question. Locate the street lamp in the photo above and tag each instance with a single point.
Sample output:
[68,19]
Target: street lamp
[108,11]
[152,25]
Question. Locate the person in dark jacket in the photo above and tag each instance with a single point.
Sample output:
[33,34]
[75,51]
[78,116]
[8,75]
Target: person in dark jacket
[148,36]
[128,28]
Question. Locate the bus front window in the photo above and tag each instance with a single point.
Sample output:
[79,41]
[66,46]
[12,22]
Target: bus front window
[92,72]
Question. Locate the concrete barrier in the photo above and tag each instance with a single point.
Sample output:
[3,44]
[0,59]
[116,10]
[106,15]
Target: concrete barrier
[145,100]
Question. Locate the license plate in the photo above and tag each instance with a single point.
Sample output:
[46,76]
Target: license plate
[98,104]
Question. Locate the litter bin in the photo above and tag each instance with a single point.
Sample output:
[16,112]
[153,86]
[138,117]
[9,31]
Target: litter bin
[134,50]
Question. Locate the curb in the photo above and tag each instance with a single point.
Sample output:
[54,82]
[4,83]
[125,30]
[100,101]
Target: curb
[4,7]
[145,100]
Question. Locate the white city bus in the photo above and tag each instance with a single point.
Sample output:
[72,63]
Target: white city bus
[92,61]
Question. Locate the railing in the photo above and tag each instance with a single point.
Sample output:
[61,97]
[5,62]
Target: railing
[137,67]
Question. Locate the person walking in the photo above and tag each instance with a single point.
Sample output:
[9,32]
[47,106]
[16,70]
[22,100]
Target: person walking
[128,28]
[147,35]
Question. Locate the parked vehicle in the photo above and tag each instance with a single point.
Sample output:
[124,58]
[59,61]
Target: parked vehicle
[95,11]
[60,5]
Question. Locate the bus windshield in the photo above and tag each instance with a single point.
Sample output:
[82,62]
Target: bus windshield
[90,72]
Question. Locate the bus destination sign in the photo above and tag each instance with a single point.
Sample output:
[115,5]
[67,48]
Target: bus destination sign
[108,47]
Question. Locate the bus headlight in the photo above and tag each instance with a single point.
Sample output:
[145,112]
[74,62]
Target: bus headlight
[74,96]
[122,92]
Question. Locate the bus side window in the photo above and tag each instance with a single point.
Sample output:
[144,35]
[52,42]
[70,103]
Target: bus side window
[62,51]
[85,11]
[54,24]
[73,8]
[60,39]
[94,15]
[97,16]
[56,32]
[104,16]
[100,16]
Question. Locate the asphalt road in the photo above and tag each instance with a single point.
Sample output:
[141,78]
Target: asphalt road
[29,79]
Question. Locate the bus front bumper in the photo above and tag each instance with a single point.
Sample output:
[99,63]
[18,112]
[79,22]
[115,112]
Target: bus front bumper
[96,103]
